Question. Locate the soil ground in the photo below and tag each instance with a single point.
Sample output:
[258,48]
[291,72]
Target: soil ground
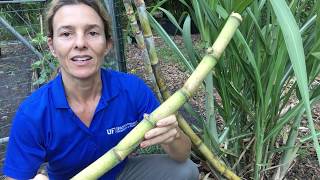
[15,85]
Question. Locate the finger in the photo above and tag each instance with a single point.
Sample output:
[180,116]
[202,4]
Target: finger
[163,138]
[174,134]
[167,121]
[157,132]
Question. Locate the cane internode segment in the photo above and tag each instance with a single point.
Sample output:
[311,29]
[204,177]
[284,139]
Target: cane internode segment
[200,73]
[224,37]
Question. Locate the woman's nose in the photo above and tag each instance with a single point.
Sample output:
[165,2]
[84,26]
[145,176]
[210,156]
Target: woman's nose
[81,42]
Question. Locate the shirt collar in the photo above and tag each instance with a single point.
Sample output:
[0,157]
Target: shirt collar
[111,85]
[110,89]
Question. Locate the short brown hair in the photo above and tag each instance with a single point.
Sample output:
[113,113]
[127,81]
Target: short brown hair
[55,5]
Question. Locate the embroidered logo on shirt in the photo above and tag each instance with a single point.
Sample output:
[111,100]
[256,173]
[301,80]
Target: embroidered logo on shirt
[122,128]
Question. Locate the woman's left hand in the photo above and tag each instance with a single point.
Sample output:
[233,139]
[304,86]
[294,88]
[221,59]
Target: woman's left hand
[165,132]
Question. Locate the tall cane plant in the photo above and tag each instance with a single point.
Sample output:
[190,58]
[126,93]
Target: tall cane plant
[273,59]
[198,143]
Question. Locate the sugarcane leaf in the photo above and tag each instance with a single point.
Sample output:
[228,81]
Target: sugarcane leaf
[293,41]
[185,3]
[186,34]
[183,16]
[277,70]
[210,113]
[171,18]
[159,4]
[242,5]
[210,140]
[199,16]
[156,26]
[258,29]
[239,37]
[317,29]
[239,98]
[193,113]
[316,55]
[191,12]
[315,92]
[309,137]
[222,12]
[292,113]
[208,12]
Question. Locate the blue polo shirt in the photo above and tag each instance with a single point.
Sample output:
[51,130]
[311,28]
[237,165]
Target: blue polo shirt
[45,129]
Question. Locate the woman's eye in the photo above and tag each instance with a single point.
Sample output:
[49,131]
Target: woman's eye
[93,33]
[65,34]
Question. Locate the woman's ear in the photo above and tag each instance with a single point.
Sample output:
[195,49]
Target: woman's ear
[109,46]
[50,44]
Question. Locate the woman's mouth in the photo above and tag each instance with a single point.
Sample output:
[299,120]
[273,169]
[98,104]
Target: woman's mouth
[81,58]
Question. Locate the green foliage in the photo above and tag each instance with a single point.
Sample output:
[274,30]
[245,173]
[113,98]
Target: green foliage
[272,60]
[155,149]
[25,17]
[45,68]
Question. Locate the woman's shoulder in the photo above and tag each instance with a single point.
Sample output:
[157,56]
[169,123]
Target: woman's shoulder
[117,74]
[126,80]
[38,100]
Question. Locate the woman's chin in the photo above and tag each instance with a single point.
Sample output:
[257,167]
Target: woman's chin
[84,74]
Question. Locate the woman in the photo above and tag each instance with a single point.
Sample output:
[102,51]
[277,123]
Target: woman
[77,117]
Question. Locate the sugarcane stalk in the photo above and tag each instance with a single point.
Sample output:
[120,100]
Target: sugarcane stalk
[141,45]
[199,144]
[147,33]
[168,107]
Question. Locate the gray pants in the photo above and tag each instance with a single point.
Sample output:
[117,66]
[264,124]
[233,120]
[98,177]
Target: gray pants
[158,167]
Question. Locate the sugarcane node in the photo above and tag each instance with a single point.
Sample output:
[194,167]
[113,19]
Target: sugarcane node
[210,50]
[129,13]
[185,93]
[126,1]
[138,3]
[133,21]
[134,24]
[199,144]
[146,117]
[138,33]
[119,159]
[154,63]
[140,46]
[236,16]
[147,35]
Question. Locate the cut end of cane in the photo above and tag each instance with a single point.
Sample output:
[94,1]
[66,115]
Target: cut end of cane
[237,16]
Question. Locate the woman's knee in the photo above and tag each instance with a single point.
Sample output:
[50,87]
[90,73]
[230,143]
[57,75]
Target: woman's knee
[187,171]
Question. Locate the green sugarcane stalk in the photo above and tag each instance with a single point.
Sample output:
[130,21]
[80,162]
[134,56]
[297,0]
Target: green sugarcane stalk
[141,45]
[168,107]
[147,33]
[199,144]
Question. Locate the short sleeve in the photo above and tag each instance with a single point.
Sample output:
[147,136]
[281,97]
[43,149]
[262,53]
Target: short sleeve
[25,151]
[146,101]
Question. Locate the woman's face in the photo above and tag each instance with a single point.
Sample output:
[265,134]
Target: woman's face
[78,41]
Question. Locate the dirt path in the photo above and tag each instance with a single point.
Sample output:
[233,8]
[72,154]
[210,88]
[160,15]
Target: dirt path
[15,85]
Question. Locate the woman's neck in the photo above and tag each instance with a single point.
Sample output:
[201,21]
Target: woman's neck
[82,90]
